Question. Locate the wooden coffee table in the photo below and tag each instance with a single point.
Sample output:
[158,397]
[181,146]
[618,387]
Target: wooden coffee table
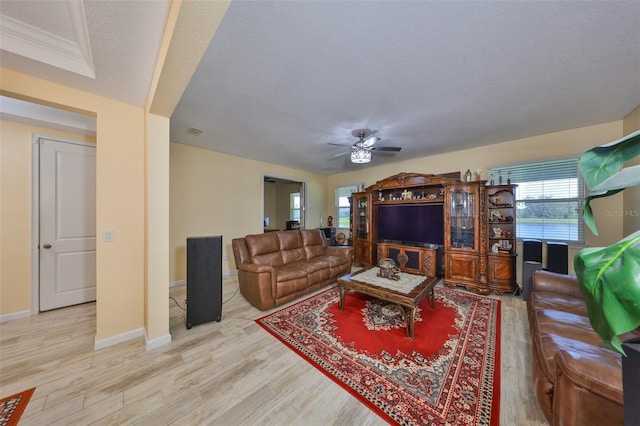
[407,302]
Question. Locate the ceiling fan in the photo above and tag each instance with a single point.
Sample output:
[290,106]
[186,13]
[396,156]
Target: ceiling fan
[362,149]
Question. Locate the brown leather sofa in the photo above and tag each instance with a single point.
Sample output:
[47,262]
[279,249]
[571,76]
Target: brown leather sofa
[277,267]
[576,380]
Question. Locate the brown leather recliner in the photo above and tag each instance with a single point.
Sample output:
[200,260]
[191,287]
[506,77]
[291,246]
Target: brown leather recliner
[277,267]
[576,380]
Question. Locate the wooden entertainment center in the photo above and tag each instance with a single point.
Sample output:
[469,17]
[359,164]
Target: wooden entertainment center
[476,248]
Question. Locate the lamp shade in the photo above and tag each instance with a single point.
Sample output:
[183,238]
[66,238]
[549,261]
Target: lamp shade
[360,156]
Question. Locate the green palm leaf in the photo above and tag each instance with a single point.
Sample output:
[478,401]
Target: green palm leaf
[603,172]
[611,288]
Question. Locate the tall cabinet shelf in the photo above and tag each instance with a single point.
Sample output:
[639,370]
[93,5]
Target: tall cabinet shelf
[480,237]
[464,236]
[362,223]
[501,241]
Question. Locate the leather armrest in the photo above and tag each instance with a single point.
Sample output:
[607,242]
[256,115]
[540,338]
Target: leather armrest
[556,283]
[597,370]
[256,269]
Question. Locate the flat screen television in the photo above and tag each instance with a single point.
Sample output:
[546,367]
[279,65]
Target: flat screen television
[411,224]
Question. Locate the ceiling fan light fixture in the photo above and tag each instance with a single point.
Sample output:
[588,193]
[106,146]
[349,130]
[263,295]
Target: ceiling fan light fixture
[360,156]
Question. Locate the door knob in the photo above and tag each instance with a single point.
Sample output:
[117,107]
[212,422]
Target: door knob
[47,246]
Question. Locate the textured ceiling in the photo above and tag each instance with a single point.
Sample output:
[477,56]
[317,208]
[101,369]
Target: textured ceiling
[282,79]
[124,39]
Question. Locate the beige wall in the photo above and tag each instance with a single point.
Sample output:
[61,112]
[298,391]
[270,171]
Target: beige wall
[120,199]
[218,194]
[270,204]
[631,215]
[157,232]
[569,143]
[16,143]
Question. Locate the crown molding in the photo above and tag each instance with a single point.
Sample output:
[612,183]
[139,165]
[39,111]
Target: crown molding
[72,55]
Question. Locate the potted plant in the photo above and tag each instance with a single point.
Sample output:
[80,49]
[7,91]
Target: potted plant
[610,276]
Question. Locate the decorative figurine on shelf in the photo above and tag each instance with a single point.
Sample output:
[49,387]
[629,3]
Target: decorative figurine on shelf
[467,176]
[508,177]
[499,177]
[478,175]
[388,269]
[330,221]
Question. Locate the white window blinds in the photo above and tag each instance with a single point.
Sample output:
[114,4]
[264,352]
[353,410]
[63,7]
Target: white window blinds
[548,199]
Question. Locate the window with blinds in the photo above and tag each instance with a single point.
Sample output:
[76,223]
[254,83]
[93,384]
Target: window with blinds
[549,199]
[342,205]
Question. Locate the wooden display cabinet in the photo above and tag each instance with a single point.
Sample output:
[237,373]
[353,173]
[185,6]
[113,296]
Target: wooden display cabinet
[362,228]
[501,241]
[465,230]
[417,260]
[403,188]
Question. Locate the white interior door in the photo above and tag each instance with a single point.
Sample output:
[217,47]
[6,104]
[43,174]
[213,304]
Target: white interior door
[67,224]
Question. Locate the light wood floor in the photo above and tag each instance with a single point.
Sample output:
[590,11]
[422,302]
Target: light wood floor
[226,373]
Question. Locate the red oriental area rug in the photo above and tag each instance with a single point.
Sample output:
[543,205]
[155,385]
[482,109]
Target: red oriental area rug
[12,407]
[450,373]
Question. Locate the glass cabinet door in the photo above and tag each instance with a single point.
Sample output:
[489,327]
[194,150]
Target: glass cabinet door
[462,218]
[362,216]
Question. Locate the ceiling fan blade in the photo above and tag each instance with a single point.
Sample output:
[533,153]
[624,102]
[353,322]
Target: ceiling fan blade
[367,142]
[340,154]
[385,148]
[337,144]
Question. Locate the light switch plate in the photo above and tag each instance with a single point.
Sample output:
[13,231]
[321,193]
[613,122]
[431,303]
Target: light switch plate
[108,235]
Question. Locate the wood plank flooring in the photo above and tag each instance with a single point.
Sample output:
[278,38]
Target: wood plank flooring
[226,373]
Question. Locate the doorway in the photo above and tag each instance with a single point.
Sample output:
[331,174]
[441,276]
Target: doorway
[66,213]
[284,203]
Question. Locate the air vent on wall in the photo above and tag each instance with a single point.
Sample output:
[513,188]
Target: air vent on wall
[194,131]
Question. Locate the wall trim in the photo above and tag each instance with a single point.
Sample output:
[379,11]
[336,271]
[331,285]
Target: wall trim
[15,315]
[157,342]
[118,338]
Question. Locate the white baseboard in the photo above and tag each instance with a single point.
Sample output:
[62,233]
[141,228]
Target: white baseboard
[157,342]
[14,316]
[119,338]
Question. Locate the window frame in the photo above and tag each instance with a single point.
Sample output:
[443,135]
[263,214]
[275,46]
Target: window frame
[340,192]
[292,208]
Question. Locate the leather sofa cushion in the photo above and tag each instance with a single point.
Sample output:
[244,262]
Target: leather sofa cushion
[333,261]
[314,243]
[289,272]
[264,249]
[564,324]
[313,265]
[291,246]
[556,301]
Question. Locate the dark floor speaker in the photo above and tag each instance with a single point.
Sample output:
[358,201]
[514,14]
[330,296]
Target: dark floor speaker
[204,280]
[529,267]
[558,258]
[531,250]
